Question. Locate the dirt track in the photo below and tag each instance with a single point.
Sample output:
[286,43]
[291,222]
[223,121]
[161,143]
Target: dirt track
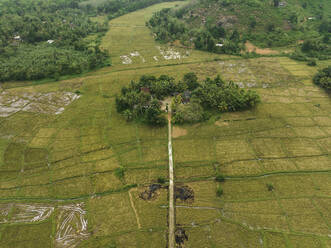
[171,220]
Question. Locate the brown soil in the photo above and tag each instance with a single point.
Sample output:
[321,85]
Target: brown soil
[178,132]
[151,193]
[184,193]
[251,48]
[222,123]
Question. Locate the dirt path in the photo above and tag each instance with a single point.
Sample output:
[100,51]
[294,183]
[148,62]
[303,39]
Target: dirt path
[171,220]
[134,209]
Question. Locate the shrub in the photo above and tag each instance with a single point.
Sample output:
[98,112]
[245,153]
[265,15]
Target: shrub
[219,191]
[270,187]
[323,78]
[161,180]
[311,62]
[219,178]
[119,172]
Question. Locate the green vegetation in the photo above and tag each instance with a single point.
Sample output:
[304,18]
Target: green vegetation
[70,159]
[191,102]
[43,39]
[48,39]
[223,26]
[323,78]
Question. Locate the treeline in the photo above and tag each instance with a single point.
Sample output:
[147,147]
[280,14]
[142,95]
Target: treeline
[46,38]
[49,38]
[115,8]
[212,37]
[223,26]
[193,101]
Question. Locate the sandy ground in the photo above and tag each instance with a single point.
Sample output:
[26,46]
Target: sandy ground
[263,51]
[178,132]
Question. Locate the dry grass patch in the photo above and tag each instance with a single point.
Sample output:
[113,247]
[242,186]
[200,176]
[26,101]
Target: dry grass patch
[275,240]
[274,165]
[43,137]
[313,163]
[246,189]
[105,182]
[268,148]
[242,168]
[309,132]
[304,241]
[150,213]
[178,132]
[257,215]
[304,217]
[264,51]
[301,147]
[194,216]
[143,176]
[111,214]
[233,150]
[182,171]
[193,150]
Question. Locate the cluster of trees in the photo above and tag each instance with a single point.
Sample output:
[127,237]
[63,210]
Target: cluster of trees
[168,27]
[115,8]
[213,95]
[323,78]
[45,38]
[193,101]
[223,26]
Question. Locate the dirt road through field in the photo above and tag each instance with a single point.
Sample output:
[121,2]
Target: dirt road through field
[171,220]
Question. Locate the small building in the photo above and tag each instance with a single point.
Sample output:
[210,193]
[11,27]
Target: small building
[282,4]
[219,45]
[17,37]
[311,18]
[50,41]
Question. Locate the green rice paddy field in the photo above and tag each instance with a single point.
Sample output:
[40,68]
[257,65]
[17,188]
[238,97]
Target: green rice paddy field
[59,182]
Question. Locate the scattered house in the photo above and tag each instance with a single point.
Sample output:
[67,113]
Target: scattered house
[145,90]
[219,45]
[186,96]
[50,41]
[17,37]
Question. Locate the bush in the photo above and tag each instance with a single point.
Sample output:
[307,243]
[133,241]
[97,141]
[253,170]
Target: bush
[119,172]
[270,187]
[312,62]
[219,191]
[189,113]
[219,178]
[161,180]
[323,78]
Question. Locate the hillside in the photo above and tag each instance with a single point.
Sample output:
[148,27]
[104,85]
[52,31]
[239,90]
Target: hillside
[224,26]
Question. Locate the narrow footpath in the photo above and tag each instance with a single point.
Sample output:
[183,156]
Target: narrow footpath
[171,212]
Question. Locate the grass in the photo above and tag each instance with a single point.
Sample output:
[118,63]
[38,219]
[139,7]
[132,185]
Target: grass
[73,157]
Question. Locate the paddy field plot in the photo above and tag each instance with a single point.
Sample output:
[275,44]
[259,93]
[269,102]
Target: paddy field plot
[75,179]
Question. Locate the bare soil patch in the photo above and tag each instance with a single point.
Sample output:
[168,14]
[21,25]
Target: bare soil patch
[264,51]
[178,132]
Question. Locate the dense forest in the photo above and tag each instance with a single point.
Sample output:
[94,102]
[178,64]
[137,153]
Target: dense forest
[223,26]
[192,101]
[49,38]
